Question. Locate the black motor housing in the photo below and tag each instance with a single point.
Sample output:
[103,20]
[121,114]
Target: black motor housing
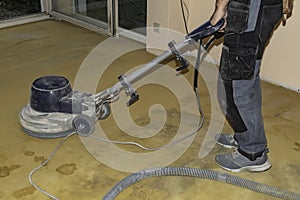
[47,91]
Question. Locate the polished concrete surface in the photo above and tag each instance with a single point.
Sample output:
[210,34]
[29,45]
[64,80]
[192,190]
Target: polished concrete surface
[58,48]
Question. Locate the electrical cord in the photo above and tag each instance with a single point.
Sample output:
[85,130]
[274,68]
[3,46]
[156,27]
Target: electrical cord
[185,18]
[167,171]
[43,164]
[200,125]
[199,59]
[201,122]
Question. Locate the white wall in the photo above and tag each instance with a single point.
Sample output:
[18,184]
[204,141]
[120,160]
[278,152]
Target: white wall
[280,64]
[168,15]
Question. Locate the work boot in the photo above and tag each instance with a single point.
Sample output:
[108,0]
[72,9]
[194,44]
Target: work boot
[227,141]
[236,162]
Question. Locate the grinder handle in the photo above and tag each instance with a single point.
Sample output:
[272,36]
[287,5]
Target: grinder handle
[205,30]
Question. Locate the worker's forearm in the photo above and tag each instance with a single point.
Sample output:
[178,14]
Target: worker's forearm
[220,11]
[221,4]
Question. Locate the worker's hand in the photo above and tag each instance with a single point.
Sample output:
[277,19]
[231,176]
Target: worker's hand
[216,17]
[219,13]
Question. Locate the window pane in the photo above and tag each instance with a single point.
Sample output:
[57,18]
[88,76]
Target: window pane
[17,8]
[91,11]
[97,9]
[133,14]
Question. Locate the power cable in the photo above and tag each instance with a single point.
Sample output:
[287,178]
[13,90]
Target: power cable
[183,5]
[43,164]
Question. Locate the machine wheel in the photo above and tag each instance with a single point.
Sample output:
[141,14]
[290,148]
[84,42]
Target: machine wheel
[105,111]
[84,125]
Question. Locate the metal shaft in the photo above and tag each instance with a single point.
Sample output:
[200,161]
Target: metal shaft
[146,69]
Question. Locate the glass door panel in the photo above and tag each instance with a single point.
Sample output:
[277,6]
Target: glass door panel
[133,14]
[97,9]
[91,11]
[107,14]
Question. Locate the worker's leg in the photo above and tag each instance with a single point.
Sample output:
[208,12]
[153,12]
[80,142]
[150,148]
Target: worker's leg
[241,99]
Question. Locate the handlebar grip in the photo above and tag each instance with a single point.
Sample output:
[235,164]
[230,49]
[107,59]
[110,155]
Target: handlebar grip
[205,30]
[218,35]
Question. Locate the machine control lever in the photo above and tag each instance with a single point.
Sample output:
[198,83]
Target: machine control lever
[179,57]
[129,90]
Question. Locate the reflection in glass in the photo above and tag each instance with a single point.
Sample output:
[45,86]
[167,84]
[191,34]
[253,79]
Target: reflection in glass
[133,14]
[91,11]
[16,8]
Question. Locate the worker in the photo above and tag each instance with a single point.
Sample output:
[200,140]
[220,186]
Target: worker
[248,28]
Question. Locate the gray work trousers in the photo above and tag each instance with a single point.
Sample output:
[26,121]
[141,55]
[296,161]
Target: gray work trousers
[250,24]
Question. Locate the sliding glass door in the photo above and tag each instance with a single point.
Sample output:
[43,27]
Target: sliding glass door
[133,15]
[90,11]
[112,16]
[107,14]
[97,9]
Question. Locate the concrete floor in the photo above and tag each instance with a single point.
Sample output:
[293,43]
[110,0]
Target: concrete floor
[58,48]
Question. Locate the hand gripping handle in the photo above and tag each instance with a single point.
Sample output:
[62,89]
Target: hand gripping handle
[205,30]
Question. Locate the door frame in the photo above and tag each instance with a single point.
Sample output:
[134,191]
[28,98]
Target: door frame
[110,28]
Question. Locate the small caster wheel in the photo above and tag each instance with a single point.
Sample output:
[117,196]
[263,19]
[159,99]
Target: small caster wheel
[105,111]
[83,125]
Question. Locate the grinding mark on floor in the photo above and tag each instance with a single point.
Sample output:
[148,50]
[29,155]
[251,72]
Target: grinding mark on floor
[28,153]
[40,159]
[5,170]
[24,192]
[66,169]
[297,146]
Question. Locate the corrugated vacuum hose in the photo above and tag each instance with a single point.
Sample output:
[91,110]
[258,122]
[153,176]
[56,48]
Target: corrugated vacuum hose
[200,173]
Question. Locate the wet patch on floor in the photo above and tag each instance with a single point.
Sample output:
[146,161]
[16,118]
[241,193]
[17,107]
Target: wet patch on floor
[149,189]
[173,113]
[91,184]
[28,153]
[5,170]
[297,146]
[66,169]
[277,115]
[40,159]
[94,180]
[171,128]
[24,192]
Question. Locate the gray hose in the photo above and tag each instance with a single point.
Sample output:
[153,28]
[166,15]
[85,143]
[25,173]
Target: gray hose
[200,173]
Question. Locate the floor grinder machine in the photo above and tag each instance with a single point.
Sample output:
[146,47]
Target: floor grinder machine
[55,110]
